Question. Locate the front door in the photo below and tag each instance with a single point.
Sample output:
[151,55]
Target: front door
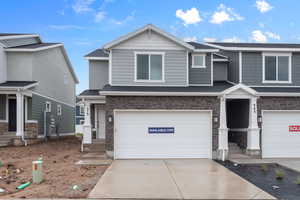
[12,115]
[100,124]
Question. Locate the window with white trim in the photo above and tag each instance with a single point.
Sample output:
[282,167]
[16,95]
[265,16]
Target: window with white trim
[59,110]
[149,66]
[48,106]
[198,61]
[81,110]
[277,68]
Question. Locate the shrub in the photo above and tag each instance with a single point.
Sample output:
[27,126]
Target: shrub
[298,181]
[264,167]
[279,174]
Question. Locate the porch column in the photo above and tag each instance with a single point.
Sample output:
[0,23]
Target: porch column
[223,131]
[87,128]
[20,114]
[253,137]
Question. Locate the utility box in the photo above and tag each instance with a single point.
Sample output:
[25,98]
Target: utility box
[37,171]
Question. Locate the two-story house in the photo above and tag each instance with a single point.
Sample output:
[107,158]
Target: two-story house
[152,95]
[37,89]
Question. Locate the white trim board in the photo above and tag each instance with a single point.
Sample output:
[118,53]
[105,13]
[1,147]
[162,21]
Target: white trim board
[254,48]
[18,36]
[32,50]
[147,27]
[97,58]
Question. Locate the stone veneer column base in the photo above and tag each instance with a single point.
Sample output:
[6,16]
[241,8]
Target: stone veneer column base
[3,128]
[31,130]
[222,154]
[253,152]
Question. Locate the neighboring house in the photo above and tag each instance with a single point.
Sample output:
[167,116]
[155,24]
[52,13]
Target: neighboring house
[37,89]
[79,120]
[152,95]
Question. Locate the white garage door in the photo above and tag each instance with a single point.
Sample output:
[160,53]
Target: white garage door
[163,134]
[281,134]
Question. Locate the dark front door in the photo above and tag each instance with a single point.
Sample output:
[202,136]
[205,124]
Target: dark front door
[12,115]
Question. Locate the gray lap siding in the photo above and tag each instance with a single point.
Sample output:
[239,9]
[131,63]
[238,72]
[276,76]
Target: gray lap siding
[155,102]
[65,122]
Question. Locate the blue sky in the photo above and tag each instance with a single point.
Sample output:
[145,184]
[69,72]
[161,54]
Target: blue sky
[84,25]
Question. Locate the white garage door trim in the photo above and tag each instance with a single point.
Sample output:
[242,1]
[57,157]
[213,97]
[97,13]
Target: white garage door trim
[263,136]
[163,110]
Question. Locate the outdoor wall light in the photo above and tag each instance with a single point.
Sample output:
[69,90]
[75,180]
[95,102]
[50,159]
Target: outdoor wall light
[110,118]
[259,119]
[216,119]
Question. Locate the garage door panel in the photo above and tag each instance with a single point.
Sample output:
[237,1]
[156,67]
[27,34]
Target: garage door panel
[277,140]
[192,137]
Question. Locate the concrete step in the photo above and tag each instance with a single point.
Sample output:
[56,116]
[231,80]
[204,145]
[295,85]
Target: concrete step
[94,155]
[94,162]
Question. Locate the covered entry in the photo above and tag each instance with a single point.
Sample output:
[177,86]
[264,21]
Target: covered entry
[162,134]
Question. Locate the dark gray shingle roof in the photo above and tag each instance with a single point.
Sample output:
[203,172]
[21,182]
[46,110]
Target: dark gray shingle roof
[89,93]
[13,34]
[218,86]
[200,46]
[17,83]
[33,46]
[277,89]
[97,53]
[256,45]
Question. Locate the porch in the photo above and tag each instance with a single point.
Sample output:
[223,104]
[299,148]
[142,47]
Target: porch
[15,110]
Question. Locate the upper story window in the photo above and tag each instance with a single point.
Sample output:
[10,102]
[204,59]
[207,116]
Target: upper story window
[81,110]
[59,110]
[48,106]
[198,61]
[149,66]
[277,68]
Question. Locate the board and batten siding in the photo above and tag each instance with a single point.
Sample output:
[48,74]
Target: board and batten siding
[123,72]
[200,75]
[220,71]
[2,107]
[252,69]
[65,122]
[98,74]
[233,65]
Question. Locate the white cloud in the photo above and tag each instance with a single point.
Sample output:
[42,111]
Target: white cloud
[81,6]
[272,35]
[259,36]
[233,39]
[207,39]
[224,14]
[100,16]
[66,27]
[190,39]
[261,25]
[191,16]
[263,6]
[125,20]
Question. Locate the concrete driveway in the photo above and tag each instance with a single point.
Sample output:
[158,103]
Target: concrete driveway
[173,179]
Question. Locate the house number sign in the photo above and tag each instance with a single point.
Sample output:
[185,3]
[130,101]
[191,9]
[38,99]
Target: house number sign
[161,130]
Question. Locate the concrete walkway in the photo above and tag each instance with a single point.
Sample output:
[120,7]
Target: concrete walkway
[173,179]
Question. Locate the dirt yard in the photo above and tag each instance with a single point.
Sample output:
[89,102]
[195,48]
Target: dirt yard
[60,171]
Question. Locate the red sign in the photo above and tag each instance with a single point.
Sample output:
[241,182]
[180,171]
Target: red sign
[294,128]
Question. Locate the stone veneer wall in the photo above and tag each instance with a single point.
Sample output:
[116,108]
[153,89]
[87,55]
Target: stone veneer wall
[158,102]
[3,127]
[31,130]
[277,103]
